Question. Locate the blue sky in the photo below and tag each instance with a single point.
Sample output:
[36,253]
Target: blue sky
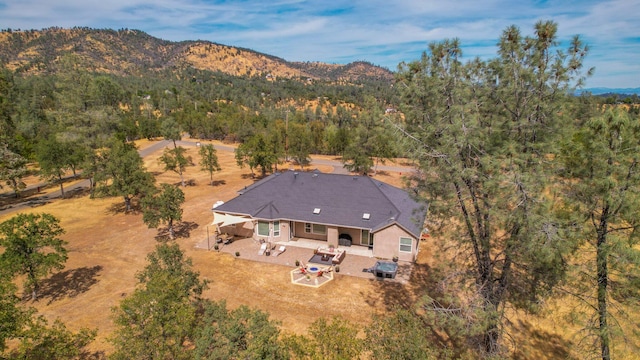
[341,31]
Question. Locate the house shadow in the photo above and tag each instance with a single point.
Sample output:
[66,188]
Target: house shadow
[70,283]
[181,230]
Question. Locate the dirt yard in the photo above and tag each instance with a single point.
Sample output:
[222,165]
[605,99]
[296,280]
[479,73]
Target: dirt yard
[107,247]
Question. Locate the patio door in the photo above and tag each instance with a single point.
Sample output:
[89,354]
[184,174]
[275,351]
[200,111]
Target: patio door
[366,239]
[291,228]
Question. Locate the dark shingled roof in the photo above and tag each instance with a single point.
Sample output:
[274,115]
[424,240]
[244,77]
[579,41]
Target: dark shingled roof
[342,200]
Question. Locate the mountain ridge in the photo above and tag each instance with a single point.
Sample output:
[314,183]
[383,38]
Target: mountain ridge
[605,90]
[133,52]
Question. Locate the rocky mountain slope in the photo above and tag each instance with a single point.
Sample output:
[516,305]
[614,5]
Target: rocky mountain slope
[133,52]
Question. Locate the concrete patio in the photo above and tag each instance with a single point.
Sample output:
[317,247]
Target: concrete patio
[356,259]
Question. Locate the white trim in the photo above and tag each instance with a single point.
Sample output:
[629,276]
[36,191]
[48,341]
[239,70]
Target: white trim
[276,228]
[400,244]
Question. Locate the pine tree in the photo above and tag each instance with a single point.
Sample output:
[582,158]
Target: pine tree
[482,133]
[601,168]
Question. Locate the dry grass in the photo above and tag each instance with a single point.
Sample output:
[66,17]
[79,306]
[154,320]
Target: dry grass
[107,248]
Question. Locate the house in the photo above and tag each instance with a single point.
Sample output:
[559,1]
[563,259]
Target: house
[341,210]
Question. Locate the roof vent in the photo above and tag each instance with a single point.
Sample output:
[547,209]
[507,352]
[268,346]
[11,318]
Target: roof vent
[366,216]
[316,211]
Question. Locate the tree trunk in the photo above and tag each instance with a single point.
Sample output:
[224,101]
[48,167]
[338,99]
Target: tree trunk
[181,178]
[172,234]
[603,282]
[127,203]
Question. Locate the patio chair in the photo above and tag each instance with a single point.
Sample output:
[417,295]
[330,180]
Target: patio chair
[280,250]
[263,248]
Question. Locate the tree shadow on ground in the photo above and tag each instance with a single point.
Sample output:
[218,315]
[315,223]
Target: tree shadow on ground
[70,283]
[395,295]
[187,182]
[181,230]
[77,193]
[98,355]
[538,344]
[217,182]
[626,291]
[38,201]
[121,208]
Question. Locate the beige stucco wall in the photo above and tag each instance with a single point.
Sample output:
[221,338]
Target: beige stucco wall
[386,244]
[355,234]
[332,236]
[299,232]
[284,232]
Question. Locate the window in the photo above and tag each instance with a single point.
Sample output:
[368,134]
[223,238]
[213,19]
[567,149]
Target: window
[316,211]
[276,228]
[405,244]
[310,228]
[319,229]
[263,228]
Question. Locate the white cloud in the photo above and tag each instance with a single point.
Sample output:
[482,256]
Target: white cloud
[382,32]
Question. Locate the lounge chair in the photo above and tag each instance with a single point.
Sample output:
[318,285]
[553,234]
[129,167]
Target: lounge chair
[280,250]
[263,248]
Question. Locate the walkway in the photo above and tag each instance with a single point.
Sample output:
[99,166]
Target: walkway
[352,265]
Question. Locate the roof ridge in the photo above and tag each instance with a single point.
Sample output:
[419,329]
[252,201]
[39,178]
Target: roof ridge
[378,186]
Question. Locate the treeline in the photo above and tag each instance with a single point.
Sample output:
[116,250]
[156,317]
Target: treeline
[87,108]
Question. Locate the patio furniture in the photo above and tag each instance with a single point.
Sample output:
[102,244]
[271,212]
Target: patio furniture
[344,240]
[263,248]
[224,238]
[280,250]
[336,255]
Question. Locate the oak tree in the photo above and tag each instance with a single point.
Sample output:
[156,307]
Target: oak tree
[209,160]
[32,247]
[121,172]
[164,207]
